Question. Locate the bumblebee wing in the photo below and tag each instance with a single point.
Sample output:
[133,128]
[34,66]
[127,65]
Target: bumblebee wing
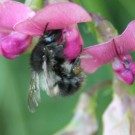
[34,92]
[44,78]
[49,80]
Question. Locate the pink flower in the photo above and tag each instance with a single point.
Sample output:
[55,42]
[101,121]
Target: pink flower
[74,42]
[62,15]
[115,50]
[12,43]
[58,15]
[124,67]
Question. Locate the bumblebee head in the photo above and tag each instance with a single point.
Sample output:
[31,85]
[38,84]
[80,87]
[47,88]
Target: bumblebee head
[52,36]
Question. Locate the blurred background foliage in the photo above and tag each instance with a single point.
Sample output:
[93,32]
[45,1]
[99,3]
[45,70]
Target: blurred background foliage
[54,113]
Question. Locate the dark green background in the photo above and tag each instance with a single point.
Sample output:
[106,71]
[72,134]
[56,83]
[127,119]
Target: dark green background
[53,113]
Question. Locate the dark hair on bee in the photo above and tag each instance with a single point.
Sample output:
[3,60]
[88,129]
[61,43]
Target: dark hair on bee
[51,71]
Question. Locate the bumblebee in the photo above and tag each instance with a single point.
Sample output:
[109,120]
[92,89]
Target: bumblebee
[51,71]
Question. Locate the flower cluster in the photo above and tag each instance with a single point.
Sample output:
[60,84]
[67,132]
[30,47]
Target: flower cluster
[19,26]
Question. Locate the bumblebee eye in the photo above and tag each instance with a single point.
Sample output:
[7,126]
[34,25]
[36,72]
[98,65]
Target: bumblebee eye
[48,33]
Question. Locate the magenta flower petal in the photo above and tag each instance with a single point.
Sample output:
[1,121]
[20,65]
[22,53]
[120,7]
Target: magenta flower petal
[74,42]
[126,76]
[58,15]
[125,43]
[132,68]
[12,12]
[13,44]
[124,68]
[95,56]
[2,37]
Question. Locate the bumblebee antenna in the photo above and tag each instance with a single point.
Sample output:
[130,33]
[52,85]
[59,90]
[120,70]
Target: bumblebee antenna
[45,27]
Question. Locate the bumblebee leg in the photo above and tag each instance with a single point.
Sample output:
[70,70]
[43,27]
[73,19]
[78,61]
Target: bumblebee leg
[47,51]
[63,43]
[59,53]
[76,62]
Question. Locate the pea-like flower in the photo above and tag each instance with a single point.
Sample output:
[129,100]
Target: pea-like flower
[12,43]
[61,15]
[18,27]
[19,23]
[117,51]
